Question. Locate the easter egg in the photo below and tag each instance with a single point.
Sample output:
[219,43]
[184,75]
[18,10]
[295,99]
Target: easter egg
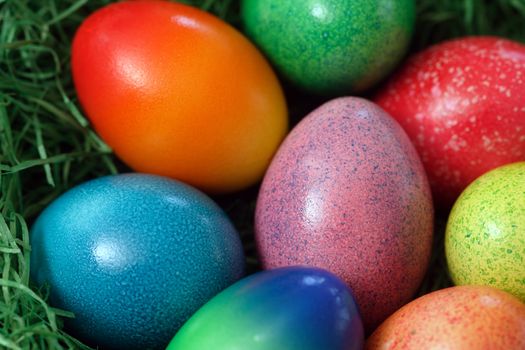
[292,308]
[133,256]
[178,92]
[331,47]
[462,103]
[461,318]
[485,235]
[347,192]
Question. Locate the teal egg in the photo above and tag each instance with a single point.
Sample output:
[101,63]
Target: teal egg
[133,256]
[331,47]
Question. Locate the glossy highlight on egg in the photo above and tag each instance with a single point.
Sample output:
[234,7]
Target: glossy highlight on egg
[347,192]
[133,256]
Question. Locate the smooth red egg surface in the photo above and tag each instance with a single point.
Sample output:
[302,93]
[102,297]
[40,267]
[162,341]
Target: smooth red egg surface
[461,318]
[177,92]
[462,103]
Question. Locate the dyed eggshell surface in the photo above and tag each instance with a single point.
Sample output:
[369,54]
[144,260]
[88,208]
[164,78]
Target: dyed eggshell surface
[462,103]
[331,46]
[347,192]
[462,318]
[133,257]
[293,308]
[485,237]
[178,92]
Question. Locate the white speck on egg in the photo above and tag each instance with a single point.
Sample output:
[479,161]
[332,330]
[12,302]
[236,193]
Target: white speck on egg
[487,143]
[455,143]
[451,123]
[488,301]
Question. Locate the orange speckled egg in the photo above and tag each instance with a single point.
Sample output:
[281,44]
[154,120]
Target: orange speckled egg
[177,92]
[461,318]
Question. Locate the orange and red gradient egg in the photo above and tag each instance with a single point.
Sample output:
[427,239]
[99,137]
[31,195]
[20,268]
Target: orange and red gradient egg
[178,92]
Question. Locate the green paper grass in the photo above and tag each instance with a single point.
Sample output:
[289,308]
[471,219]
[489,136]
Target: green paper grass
[47,145]
[438,20]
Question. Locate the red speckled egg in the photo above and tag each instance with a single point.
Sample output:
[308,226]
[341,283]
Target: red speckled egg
[462,103]
[347,192]
[460,318]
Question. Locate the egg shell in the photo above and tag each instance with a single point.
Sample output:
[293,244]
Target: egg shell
[292,308]
[485,236]
[462,103]
[331,46]
[347,192]
[150,75]
[461,318]
[133,256]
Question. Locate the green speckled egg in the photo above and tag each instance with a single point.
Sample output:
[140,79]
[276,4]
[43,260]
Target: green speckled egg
[485,237]
[331,46]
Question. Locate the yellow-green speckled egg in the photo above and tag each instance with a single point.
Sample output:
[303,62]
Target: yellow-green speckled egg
[485,237]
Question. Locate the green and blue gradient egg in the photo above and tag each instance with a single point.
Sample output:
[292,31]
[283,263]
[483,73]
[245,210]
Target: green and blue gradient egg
[291,308]
[331,47]
[485,236]
[133,256]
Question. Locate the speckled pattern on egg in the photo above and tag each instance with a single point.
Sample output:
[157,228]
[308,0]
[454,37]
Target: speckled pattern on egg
[485,237]
[460,318]
[331,46]
[462,103]
[133,256]
[347,192]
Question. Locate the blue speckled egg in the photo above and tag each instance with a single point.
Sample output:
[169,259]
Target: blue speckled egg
[133,256]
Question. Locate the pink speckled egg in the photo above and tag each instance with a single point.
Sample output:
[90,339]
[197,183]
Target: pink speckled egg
[462,103]
[460,318]
[347,192]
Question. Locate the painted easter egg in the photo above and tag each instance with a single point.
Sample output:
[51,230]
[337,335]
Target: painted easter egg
[462,103]
[461,318]
[177,92]
[347,192]
[485,236]
[331,46]
[133,257]
[292,308]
